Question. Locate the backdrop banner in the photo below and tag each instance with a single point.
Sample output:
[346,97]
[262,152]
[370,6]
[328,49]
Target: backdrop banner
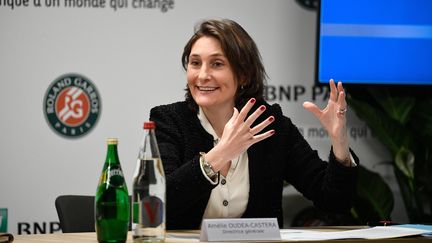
[75,72]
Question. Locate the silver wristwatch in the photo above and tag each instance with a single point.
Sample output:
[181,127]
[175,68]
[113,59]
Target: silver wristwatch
[208,169]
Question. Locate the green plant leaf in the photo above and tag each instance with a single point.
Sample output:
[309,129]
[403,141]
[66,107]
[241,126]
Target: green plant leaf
[390,133]
[405,162]
[411,204]
[398,108]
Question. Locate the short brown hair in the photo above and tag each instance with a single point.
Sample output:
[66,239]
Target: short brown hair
[242,54]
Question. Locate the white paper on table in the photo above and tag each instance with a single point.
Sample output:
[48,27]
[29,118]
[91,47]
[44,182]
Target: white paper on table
[182,238]
[379,232]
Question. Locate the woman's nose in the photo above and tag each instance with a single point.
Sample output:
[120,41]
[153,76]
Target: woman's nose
[204,72]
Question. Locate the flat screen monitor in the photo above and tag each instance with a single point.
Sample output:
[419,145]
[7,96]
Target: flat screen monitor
[386,42]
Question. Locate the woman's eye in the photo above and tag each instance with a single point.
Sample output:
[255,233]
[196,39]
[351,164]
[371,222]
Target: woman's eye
[217,64]
[194,63]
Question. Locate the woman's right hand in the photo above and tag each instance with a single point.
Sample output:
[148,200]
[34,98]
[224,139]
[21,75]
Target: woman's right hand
[238,136]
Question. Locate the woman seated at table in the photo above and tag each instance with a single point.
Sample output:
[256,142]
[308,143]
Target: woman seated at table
[227,152]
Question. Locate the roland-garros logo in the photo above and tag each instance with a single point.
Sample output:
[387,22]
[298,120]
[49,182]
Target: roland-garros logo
[72,105]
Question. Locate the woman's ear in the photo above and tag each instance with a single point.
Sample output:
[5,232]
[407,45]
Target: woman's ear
[242,83]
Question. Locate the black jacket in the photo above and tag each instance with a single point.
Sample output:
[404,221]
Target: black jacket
[285,156]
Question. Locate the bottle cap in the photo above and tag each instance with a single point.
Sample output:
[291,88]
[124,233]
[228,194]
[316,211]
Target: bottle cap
[112,141]
[149,125]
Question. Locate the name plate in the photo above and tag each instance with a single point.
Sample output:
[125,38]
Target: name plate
[240,229]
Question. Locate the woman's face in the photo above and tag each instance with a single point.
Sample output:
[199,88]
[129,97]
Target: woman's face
[210,77]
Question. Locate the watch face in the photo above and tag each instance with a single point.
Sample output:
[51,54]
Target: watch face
[208,170]
[207,167]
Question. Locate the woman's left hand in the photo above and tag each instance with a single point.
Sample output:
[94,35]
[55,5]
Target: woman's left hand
[333,119]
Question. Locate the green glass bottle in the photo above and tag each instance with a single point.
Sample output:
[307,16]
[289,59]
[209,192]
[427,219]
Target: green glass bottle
[112,210]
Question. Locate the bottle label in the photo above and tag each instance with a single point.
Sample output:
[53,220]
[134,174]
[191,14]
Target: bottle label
[115,176]
[151,210]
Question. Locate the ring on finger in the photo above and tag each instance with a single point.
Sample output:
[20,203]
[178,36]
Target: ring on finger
[342,111]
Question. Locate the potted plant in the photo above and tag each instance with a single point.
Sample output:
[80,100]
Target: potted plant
[402,121]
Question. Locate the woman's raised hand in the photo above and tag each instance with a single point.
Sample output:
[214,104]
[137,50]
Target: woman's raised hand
[333,119]
[238,134]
